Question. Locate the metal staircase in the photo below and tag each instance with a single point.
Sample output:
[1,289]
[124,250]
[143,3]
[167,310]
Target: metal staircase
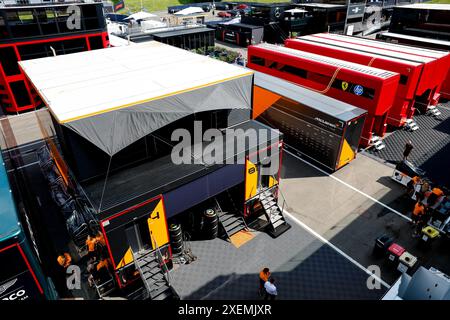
[282,36]
[411,125]
[377,143]
[274,214]
[433,111]
[154,274]
[231,221]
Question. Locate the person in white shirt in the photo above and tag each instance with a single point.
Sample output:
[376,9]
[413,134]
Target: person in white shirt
[271,290]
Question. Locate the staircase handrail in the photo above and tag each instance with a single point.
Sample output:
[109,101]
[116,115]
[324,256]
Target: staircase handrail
[160,259]
[135,260]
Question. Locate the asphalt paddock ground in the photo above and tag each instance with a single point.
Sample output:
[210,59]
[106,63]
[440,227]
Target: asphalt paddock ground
[303,266]
[355,205]
[349,209]
[431,143]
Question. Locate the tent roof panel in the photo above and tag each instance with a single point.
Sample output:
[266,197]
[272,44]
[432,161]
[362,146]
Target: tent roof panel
[73,85]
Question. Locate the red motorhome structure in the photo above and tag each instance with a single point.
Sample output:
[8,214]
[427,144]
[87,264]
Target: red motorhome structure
[423,43]
[368,88]
[433,74]
[402,109]
[41,30]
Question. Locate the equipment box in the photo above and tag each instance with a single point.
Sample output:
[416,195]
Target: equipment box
[394,252]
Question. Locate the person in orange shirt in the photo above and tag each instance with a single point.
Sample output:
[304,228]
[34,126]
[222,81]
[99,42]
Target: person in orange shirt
[436,193]
[412,185]
[103,269]
[64,260]
[418,216]
[104,263]
[90,244]
[100,239]
[419,210]
[416,180]
[263,278]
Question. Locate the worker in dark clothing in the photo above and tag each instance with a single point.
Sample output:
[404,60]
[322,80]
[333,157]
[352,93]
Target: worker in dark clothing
[64,260]
[92,269]
[407,150]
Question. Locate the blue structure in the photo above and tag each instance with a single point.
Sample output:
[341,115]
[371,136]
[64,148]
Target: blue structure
[21,277]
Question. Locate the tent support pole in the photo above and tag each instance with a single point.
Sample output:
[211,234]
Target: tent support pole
[104,185]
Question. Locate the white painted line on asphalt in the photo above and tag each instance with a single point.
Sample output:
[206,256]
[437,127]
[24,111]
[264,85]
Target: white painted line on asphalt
[321,238]
[350,186]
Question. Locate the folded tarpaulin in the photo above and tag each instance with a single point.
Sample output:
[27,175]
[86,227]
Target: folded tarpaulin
[113,97]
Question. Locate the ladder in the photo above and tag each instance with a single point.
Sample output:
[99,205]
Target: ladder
[411,125]
[274,214]
[433,111]
[154,274]
[232,222]
[278,30]
[377,143]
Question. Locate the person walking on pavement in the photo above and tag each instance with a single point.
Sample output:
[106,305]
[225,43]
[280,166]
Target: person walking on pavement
[271,290]
[407,150]
[417,212]
[263,278]
[418,218]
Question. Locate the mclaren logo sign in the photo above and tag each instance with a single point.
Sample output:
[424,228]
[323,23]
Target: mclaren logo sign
[336,125]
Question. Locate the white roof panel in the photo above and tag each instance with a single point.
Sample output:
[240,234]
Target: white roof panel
[426,6]
[308,39]
[418,39]
[380,73]
[383,48]
[320,5]
[84,84]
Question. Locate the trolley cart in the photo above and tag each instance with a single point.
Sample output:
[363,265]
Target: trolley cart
[405,171]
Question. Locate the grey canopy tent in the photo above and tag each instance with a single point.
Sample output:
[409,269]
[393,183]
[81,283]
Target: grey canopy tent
[113,97]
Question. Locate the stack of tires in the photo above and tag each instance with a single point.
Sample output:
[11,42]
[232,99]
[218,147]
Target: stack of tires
[176,238]
[210,224]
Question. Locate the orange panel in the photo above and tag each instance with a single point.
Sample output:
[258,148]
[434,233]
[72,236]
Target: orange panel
[262,100]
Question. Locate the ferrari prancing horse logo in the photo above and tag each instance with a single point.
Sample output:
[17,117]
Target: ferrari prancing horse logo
[344,85]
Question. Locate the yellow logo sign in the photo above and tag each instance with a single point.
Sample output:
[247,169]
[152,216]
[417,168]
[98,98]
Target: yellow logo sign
[344,85]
